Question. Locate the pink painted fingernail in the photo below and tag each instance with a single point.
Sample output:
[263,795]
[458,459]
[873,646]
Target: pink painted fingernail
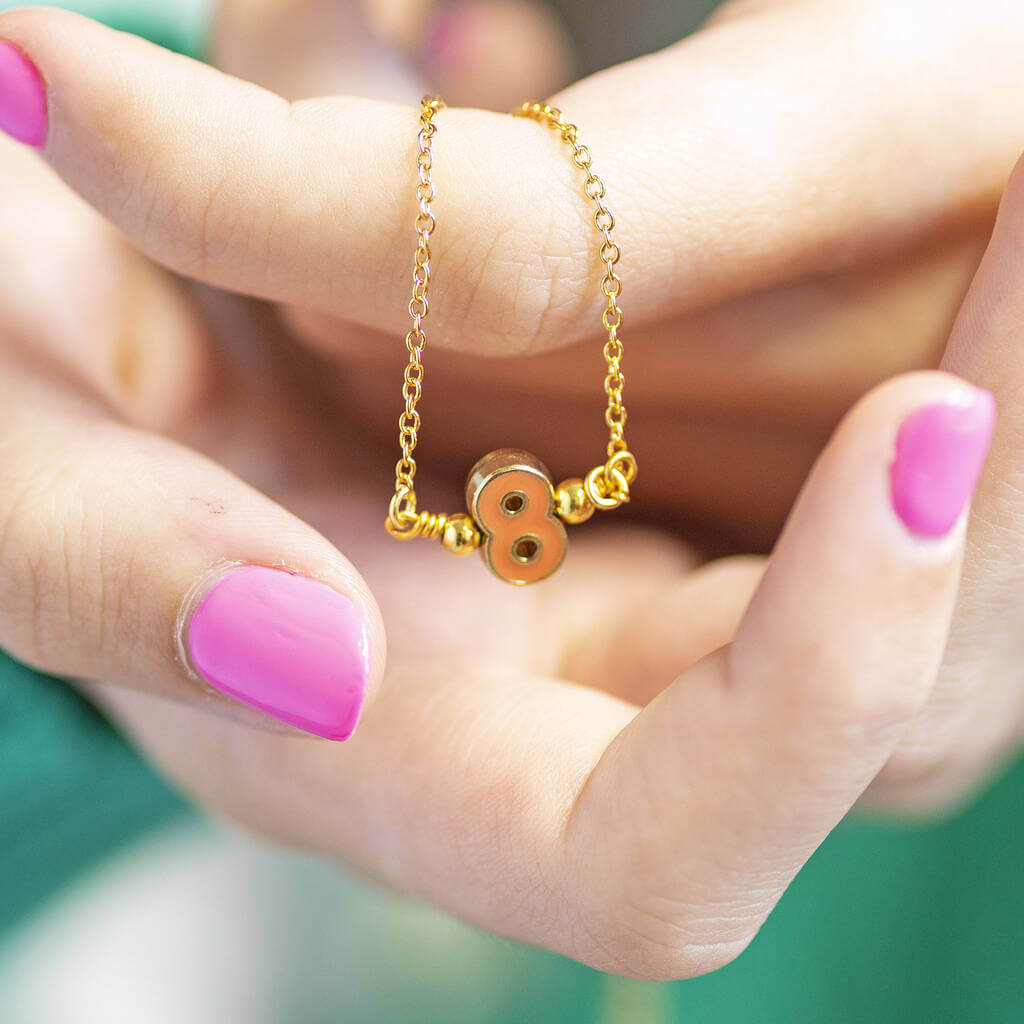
[940,452]
[285,644]
[22,97]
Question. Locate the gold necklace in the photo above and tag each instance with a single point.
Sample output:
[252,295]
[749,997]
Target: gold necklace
[516,514]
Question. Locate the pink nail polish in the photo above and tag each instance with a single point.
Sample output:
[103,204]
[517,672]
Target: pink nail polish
[22,97]
[940,452]
[285,644]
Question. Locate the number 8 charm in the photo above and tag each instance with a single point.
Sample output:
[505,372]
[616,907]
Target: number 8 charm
[510,495]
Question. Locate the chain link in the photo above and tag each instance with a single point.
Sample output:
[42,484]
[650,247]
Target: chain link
[419,304]
[403,520]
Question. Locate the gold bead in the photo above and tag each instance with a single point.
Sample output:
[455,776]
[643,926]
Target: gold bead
[460,535]
[572,502]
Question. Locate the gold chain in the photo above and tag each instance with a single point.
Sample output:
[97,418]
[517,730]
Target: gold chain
[611,284]
[606,486]
[419,306]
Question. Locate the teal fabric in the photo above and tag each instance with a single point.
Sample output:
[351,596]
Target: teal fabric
[891,923]
[886,924]
[180,25]
[70,789]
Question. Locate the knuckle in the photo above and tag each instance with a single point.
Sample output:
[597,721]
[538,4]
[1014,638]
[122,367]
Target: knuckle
[658,946]
[641,930]
[519,300]
[20,580]
[845,705]
[192,231]
[61,599]
[871,701]
[865,708]
[556,285]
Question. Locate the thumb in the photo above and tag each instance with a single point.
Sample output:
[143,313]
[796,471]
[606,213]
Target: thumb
[703,809]
[128,559]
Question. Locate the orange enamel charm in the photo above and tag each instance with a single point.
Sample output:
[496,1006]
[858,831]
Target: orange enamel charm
[510,495]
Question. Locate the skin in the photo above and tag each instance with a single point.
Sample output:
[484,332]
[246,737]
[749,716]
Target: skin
[630,782]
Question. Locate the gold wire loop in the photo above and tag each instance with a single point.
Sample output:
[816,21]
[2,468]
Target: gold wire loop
[405,523]
[608,485]
[402,519]
[625,458]
[597,492]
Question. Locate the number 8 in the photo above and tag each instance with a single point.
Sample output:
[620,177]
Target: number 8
[510,495]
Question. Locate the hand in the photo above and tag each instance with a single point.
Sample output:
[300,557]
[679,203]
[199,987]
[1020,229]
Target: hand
[776,228]
[549,811]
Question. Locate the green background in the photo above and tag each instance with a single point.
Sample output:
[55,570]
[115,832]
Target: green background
[886,923]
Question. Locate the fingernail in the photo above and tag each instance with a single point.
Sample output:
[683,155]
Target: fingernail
[285,644]
[22,97]
[940,452]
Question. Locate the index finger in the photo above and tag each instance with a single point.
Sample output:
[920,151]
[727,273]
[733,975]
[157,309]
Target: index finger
[768,146]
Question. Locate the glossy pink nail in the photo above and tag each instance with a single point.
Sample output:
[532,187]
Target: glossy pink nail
[285,644]
[940,452]
[22,97]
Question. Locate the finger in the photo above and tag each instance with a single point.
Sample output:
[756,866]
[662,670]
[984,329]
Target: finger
[127,558]
[77,298]
[189,162]
[727,782]
[641,648]
[654,844]
[972,720]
